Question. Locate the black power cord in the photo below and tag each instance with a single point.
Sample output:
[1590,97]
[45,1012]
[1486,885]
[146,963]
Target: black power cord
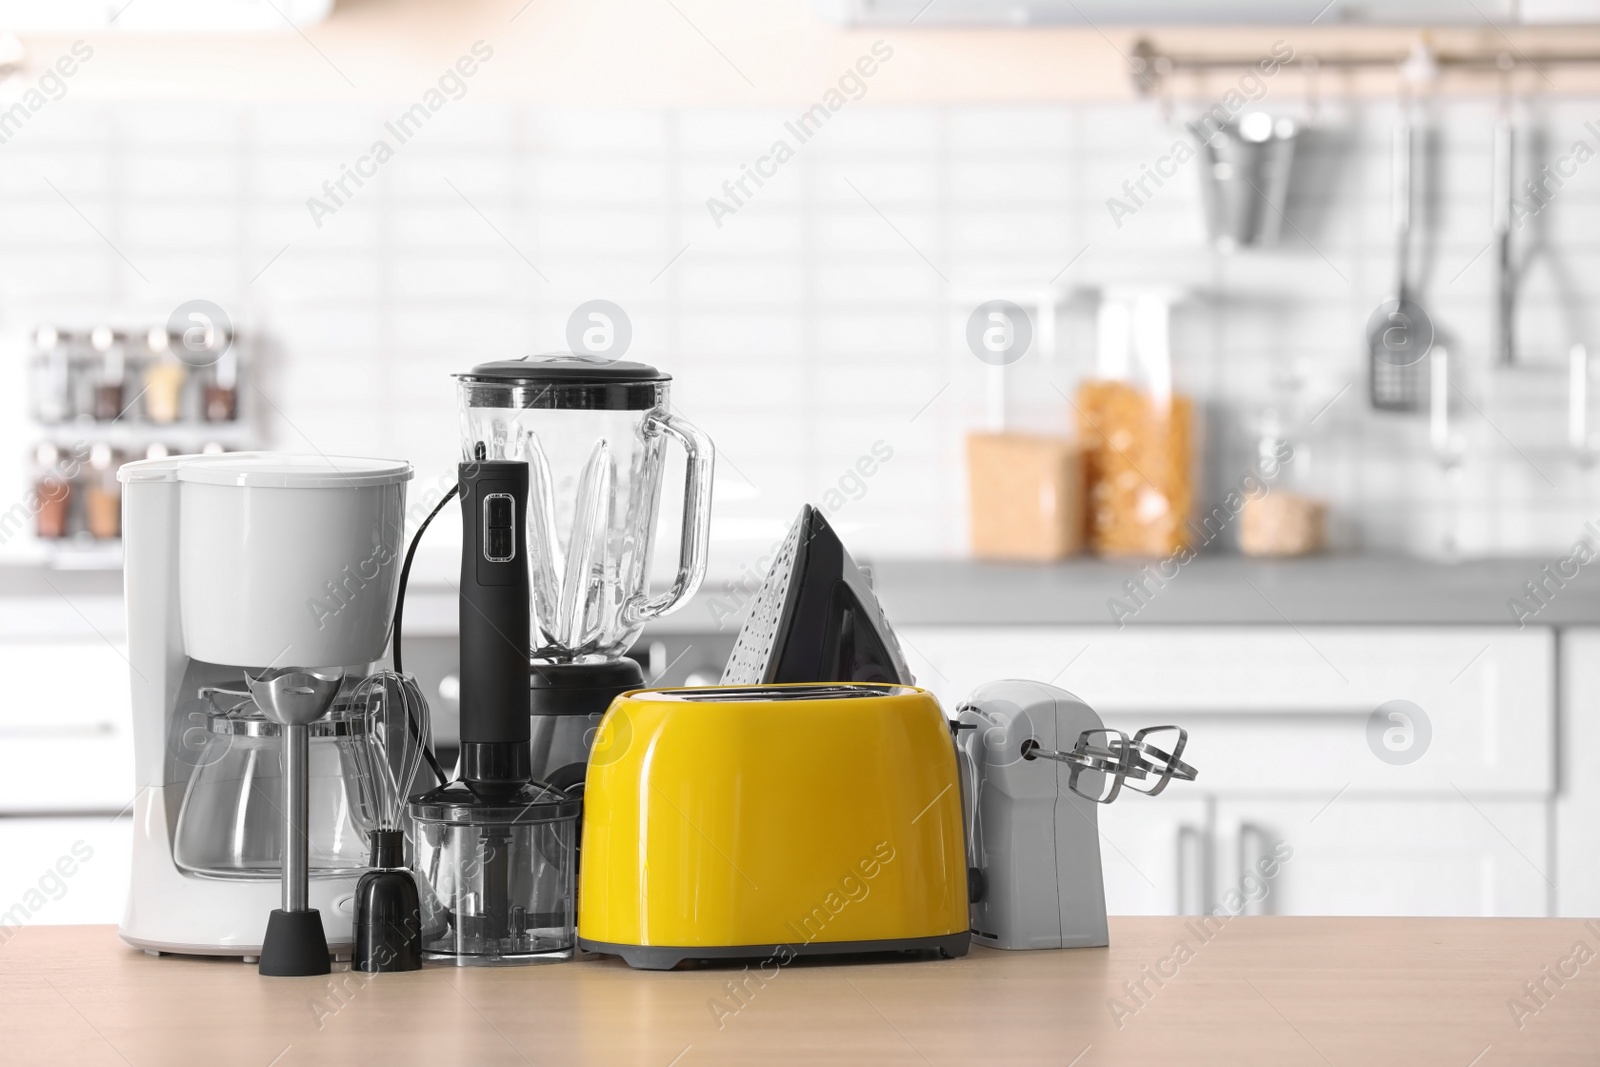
[399,613]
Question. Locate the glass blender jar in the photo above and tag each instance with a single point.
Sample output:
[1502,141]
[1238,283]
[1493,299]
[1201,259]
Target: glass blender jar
[593,434]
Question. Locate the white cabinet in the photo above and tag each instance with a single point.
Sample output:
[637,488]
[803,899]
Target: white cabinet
[66,770]
[63,870]
[1578,806]
[1156,857]
[1390,856]
[1278,721]
[66,727]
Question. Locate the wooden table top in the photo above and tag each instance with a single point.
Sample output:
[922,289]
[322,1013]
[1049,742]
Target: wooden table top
[1278,991]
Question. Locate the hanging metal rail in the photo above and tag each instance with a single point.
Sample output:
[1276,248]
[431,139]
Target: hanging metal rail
[1152,67]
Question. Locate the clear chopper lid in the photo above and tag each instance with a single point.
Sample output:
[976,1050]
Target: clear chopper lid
[459,804]
[564,381]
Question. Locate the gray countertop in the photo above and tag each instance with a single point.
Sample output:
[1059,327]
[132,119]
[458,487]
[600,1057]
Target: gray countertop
[1329,590]
[23,580]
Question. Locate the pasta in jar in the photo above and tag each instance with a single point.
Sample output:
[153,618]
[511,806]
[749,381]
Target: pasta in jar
[1138,469]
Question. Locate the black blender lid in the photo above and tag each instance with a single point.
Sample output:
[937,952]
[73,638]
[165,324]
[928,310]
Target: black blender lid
[565,368]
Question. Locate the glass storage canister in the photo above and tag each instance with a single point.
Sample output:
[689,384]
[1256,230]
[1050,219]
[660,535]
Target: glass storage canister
[230,824]
[497,874]
[1280,516]
[1136,433]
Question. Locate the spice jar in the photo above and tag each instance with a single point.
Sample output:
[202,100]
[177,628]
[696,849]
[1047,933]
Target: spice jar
[103,494]
[163,379]
[1136,433]
[51,378]
[84,362]
[53,505]
[109,377]
[222,392]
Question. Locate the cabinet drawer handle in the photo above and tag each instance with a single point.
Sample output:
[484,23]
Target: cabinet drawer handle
[1193,891]
[1252,849]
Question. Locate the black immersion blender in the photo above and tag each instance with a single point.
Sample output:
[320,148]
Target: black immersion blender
[495,759]
[494,625]
[482,832]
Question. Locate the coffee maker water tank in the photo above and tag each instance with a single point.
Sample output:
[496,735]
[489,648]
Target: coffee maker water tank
[289,559]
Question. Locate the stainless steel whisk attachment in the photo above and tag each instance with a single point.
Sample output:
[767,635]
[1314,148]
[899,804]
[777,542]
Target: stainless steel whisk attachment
[398,731]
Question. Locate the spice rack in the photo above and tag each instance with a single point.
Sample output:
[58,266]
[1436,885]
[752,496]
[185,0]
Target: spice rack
[105,396]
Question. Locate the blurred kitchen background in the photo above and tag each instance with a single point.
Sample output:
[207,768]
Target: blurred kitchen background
[817,325]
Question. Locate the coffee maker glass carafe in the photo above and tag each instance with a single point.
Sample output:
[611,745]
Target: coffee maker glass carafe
[593,434]
[230,821]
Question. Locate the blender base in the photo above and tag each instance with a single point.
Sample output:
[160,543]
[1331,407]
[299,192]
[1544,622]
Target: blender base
[566,701]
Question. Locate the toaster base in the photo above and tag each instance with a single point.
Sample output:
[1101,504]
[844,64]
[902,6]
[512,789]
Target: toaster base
[665,958]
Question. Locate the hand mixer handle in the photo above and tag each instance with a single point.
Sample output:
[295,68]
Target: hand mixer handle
[696,534]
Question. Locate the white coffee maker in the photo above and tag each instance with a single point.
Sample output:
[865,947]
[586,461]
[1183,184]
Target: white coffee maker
[240,562]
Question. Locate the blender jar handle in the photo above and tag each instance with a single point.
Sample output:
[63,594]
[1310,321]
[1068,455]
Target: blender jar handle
[696,534]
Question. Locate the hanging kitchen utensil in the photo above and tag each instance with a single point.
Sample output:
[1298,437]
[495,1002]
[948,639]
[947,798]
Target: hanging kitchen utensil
[1245,178]
[388,924]
[1505,279]
[1395,336]
[1578,407]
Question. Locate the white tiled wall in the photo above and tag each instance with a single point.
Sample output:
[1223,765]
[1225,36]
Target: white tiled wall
[828,313]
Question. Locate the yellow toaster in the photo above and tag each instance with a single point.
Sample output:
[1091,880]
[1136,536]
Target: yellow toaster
[772,821]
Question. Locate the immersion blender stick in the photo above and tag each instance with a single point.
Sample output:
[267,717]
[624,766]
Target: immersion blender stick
[294,698]
[494,623]
[296,809]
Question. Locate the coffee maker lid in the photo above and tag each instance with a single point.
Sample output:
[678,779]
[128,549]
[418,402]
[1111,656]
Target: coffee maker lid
[564,368]
[282,470]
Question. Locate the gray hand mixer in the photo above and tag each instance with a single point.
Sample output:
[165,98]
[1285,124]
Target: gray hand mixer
[1033,844]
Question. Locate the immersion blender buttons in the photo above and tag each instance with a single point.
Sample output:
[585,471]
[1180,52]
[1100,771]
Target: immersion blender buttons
[499,514]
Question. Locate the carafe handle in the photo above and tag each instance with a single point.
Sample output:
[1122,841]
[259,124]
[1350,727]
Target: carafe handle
[696,533]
